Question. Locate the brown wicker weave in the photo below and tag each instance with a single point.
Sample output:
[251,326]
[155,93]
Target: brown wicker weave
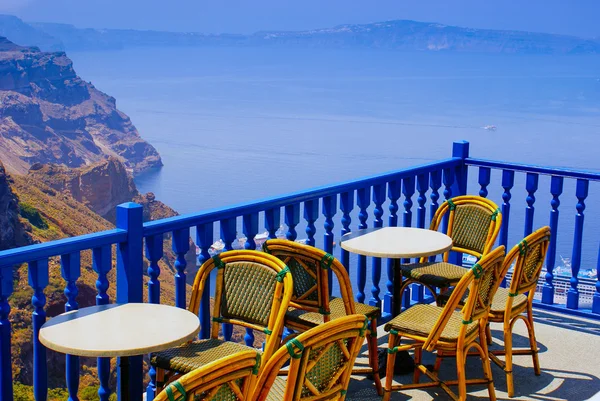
[509,303]
[253,290]
[311,304]
[449,331]
[320,363]
[473,224]
[231,378]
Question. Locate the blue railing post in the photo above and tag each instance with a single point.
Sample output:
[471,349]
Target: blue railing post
[329,209]
[6,288]
[292,219]
[311,214]
[272,221]
[485,175]
[581,192]
[531,185]
[250,229]
[181,246]
[556,188]
[204,239]
[460,149]
[508,181]
[70,264]
[378,199]
[228,233]
[101,263]
[596,301]
[154,252]
[422,186]
[130,283]
[408,190]
[38,280]
[346,206]
[362,199]
[388,299]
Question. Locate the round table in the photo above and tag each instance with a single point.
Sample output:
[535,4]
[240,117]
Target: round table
[396,243]
[119,330]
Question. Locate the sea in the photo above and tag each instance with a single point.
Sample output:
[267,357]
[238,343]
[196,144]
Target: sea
[238,124]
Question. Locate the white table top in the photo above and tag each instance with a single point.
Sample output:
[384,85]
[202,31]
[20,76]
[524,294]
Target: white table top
[119,330]
[396,242]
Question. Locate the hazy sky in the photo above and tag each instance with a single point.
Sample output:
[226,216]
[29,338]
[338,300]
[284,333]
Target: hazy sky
[574,17]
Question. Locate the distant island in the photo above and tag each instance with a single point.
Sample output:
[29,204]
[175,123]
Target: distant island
[399,35]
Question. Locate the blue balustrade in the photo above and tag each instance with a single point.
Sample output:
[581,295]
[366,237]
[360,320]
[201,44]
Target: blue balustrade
[418,290]
[228,232]
[408,190]
[448,175]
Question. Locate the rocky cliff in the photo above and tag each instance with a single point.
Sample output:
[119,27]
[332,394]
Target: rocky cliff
[50,115]
[13,230]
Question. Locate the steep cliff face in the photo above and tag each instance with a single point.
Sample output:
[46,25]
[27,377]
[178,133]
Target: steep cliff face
[13,230]
[50,115]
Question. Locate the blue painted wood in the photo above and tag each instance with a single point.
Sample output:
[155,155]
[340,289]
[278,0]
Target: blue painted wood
[556,188]
[346,206]
[292,218]
[188,220]
[154,252]
[531,185]
[71,271]
[508,181]
[102,264]
[6,288]
[388,299]
[460,150]
[38,280]
[408,190]
[363,200]
[180,245]
[250,229]
[596,300]
[228,233]
[130,284]
[273,221]
[329,206]
[378,199]
[530,168]
[418,291]
[485,175]
[435,183]
[448,180]
[204,239]
[581,192]
[311,214]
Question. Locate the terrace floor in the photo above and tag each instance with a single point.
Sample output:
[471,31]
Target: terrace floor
[569,357]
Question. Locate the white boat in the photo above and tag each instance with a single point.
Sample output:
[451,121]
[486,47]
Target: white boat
[490,127]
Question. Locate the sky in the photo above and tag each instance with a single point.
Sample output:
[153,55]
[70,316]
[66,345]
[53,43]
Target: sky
[571,17]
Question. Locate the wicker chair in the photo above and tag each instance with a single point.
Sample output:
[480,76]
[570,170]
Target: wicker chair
[229,378]
[473,224]
[509,303]
[320,363]
[311,304]
[253,290]
[449,331]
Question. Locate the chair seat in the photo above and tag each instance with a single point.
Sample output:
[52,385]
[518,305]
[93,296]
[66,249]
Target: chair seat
[419,319]
[438,274]
[277,390]
[499,303]
[336,306]
[187,357]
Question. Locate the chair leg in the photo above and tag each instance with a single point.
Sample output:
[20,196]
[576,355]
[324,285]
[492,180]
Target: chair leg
[460,372]
[508,359]
[438,361]
[488,334]
[389,371]
[417,372]
[374,355]
[533,341]
[487,368]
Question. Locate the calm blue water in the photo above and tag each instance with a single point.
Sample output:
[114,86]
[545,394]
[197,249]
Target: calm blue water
[235,125]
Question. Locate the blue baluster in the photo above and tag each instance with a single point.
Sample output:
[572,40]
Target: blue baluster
[204,239]
[388,298]
[435,183]
[154,252]
[596,301]
[418,293]
[272,221]
[250,229]
[71,271]
[228,232]
[378,199]
[485,174]
[408,190]
[556,188]
[581,192]
[508,181]
[460,149]
[292,218]
[346,206]
[311,214]
[448,180]
[363,200]
[102,263]
[329,209]
[38,280]
[531,185]
[180,245]
[6,288]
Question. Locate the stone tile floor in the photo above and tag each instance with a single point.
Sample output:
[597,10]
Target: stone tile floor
[569,357]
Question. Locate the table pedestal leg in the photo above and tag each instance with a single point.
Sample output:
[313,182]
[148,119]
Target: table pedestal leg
[397,280]
[123,379]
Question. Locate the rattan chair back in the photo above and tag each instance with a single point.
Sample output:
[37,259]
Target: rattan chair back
[229,378]
[528,258]
[482,282]
[473,224]
[320,362]
[253,290]
[310,267]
